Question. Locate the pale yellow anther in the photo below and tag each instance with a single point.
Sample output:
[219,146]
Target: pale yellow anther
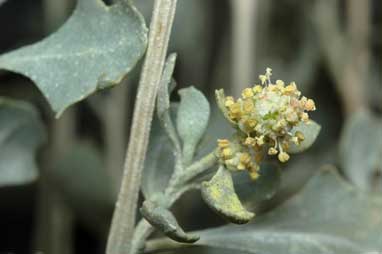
[227,153]
[300,135]
[283,157]
[263,79]
[223,143]
[257,89]
[253,173]
[249,141]
[245,158]
[304,116]
[247,93]
[280,83]
[229,101]
[291,88]
[309,105]
[272,151]
[248,106]
[260,140]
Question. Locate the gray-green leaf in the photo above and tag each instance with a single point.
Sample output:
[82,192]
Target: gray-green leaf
[159,163]
[163,220]
[361,148]
[219,194]
[192,120]
[310,130]
[329,216]
[21,134]
[94,49]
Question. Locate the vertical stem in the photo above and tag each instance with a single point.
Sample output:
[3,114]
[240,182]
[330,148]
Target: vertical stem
[122,226]
[243,43]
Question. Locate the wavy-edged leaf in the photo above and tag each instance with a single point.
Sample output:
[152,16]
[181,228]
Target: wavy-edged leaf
[219,194]
[21,134]
[94,49]
[192,120]
[163,220]
[310,130]
[329,216]
[361,148]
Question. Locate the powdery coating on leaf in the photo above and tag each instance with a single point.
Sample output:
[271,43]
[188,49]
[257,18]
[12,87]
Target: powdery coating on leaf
[219,194]
[192,118]
[328,216]
[21,134]
[94,49]
[163,220]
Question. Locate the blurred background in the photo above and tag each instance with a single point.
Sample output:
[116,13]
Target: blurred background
[330,48]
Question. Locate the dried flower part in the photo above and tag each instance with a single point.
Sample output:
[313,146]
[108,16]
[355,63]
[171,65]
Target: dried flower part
[264,117]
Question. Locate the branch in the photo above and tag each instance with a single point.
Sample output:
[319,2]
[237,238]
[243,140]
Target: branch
[346,53]
[123,221]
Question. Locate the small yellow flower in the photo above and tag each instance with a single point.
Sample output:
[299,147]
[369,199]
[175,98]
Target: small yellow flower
[272,151]
[223,143]
[304,116]
[248,106]
[283,157]
[257,89]
[300,135]
[229,101]
[263,79]
[280,83]
[254,174]
[249,141]
[260,140]
[309,105]
[247,93]
[227,153]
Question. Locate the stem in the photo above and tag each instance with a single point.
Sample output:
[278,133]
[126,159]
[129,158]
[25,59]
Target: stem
[347,53]
[123,221]
[173,192]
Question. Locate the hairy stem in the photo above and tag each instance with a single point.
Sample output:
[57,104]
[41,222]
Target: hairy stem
[123,221]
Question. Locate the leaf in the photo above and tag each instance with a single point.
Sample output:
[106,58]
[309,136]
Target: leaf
[93,50]
[21,134]
[160,161]
[361,149]
[163,102]
[310,131]
[82,180]
[219,194]
[192,120]
[163,220]
[329,216]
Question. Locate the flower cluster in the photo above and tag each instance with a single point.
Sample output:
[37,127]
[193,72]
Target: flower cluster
[264,117]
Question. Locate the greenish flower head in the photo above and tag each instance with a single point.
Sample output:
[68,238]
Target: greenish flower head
[263,117]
